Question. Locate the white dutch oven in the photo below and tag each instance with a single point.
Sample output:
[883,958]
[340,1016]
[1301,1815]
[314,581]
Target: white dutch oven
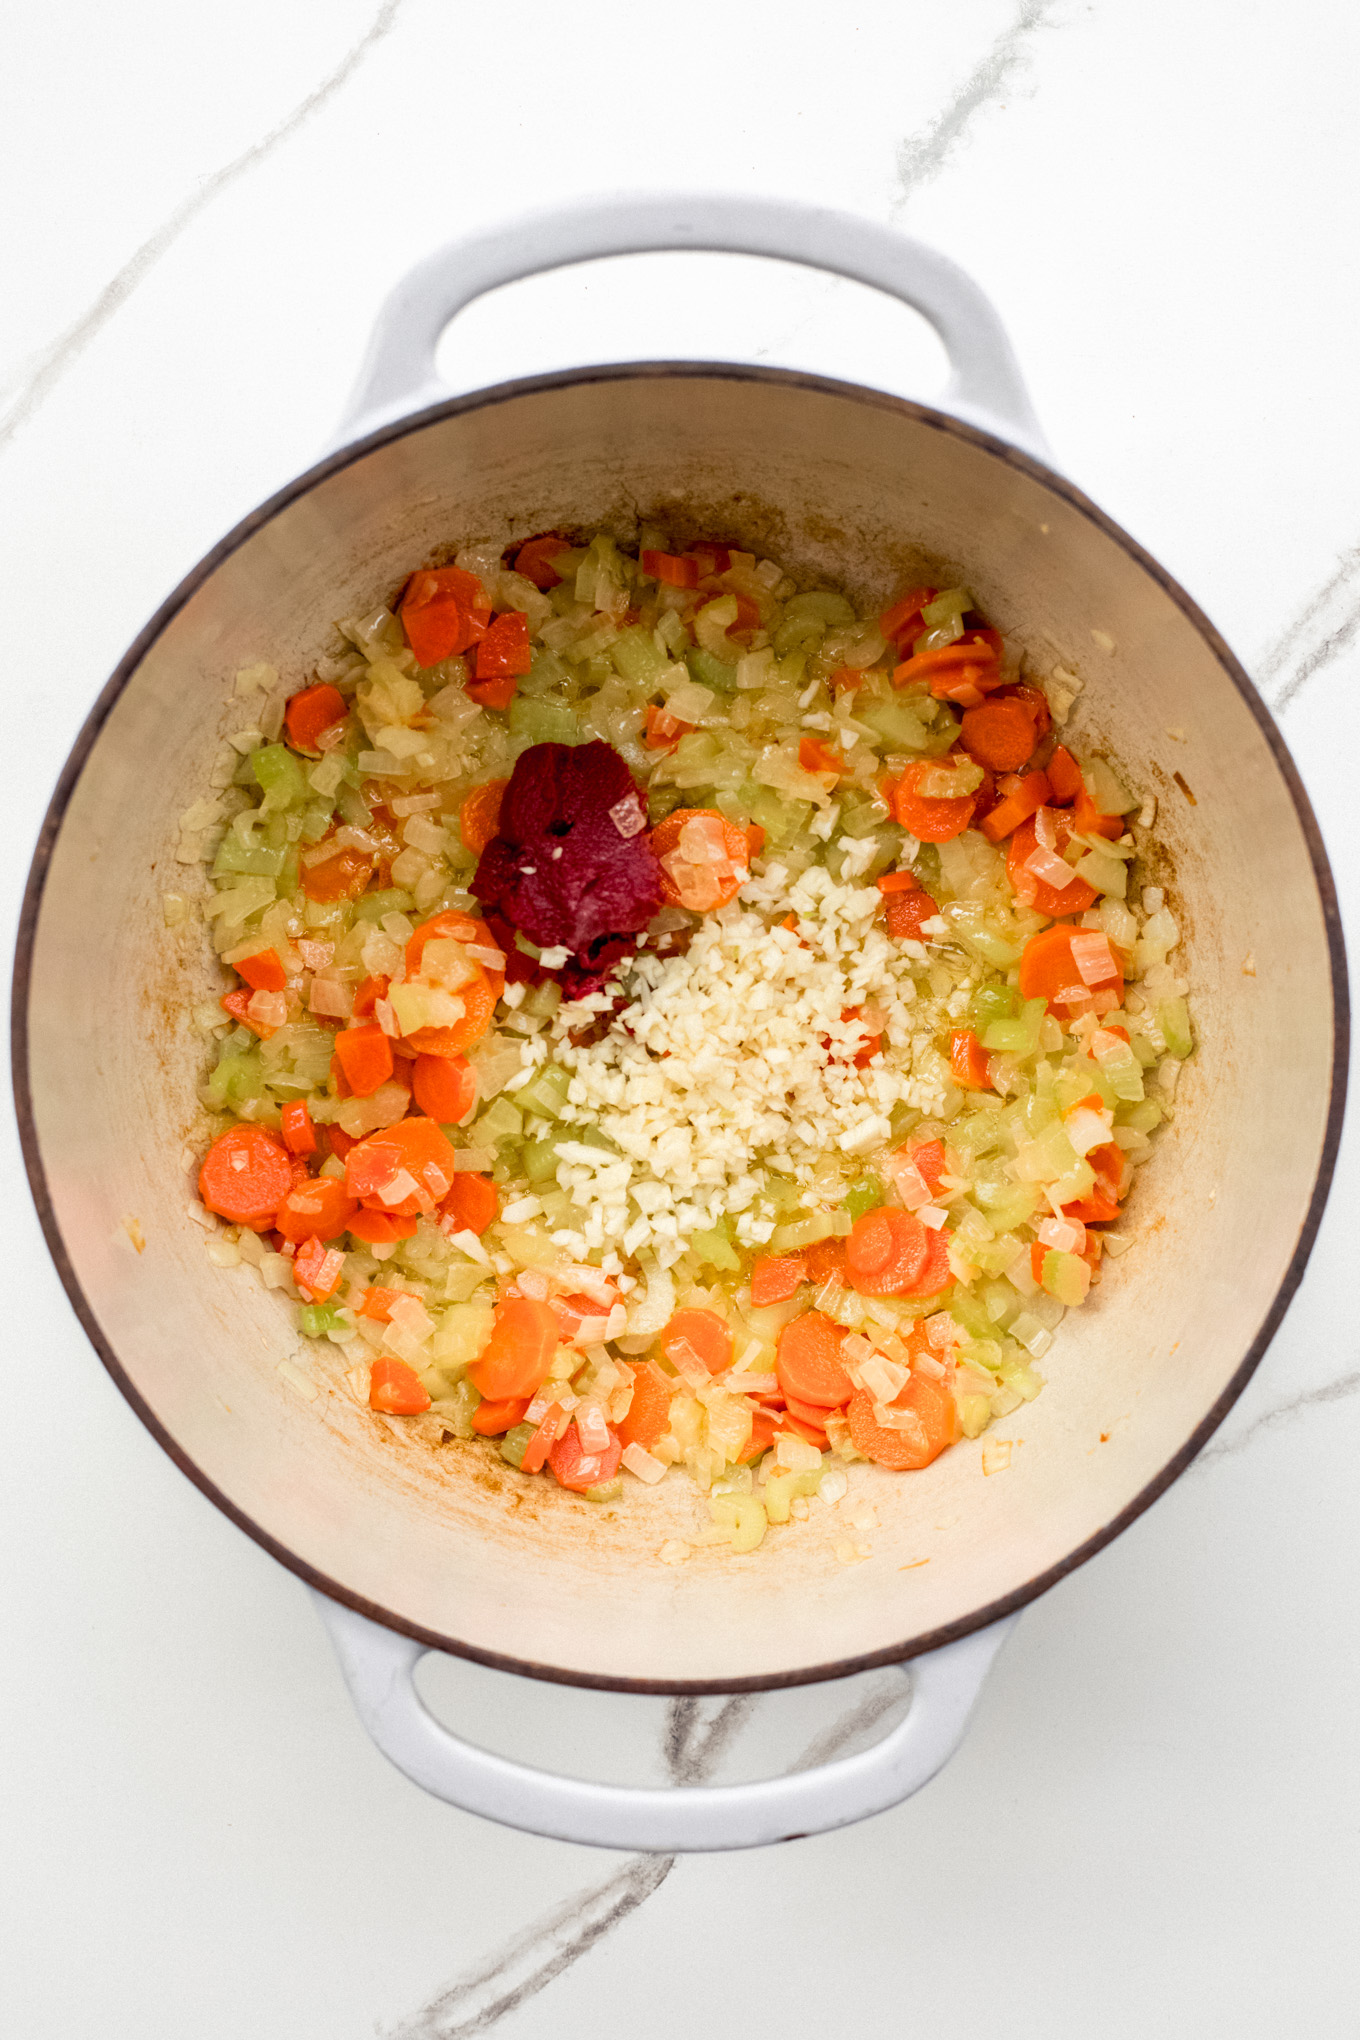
[416,1550]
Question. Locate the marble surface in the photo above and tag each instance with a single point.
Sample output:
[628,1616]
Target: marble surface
[1152,1826]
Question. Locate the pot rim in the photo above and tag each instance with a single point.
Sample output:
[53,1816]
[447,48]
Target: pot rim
[500,393]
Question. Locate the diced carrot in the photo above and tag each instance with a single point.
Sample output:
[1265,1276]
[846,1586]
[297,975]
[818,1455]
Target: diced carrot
[321,1206]
[649,1411]
[885,1251]
[263,971]
[712,557]
[663,731]
[945,659]
[338,1142]
[496,1415]
[1000,735]
[1073,898]
[480,815]
[317,1270]
[377,1304]
[380,1228]
[1089,820]
[246,1175]
[1064,777]
[445,1087]
[815,757]
[726,880]
[969,1060]
[900,621]
[1037,1253]
[365,1057]
[516,1360]
[763,1427]
[237,1003]
[755,839]
[505,652]
[748,614]
[310,714]
[899,881]
[299,1135]
[471,1204]
[826,1260]
[775,1278]
[928,1159]
[497,692]
[1012,809]
[706,1335]
[930,1402]
[671,568]
[417,1148]
[808,1361]
[342,877]
[928,819]
[536,1452]
[1047,970]
[367,995]
[1101,1204]
[907,912]
[535,560]
[578,1469]
[396,1389]
[846,679]
[444,611]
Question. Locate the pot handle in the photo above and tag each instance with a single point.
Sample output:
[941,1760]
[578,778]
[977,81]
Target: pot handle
[378,1665]
[399,373]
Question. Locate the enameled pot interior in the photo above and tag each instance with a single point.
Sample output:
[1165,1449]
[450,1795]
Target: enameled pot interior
[836,483]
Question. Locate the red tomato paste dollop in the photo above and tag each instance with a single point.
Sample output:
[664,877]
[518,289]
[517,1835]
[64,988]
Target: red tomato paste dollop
[571,866]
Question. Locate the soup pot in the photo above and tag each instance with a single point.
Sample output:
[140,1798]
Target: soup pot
[414,1549]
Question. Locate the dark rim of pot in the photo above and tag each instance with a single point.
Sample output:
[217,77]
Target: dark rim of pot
[503,393]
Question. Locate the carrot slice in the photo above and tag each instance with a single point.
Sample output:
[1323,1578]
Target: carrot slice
[479,1003]
[671,568]
[380,1228]
[706,1335]
[523,1340]
[899,622]
[321,1206]
[885,1252]
[311,713]
[397,1389]
[444,1086]
[1047,970]
[246,1175]
[813,1433]
[479,817]
[494,1416]
[999,734]
[416,1148]
[936,1275]
[825,1260]
[775,1278]
[535,560]
[456,927]
[1073,898]
[471,1204]
[342,877]
[365,1055]
[931,1404]
[945,659]
[969,1060]
[808,1361]
[715,884]
[930,820]
[649,1411]
[578,1469]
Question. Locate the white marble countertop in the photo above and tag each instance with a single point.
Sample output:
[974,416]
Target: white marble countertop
[1151,1827]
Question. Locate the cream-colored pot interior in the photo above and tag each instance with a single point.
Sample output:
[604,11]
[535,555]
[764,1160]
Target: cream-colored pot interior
[452,1544]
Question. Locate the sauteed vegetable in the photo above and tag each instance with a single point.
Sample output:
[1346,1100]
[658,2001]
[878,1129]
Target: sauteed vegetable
[679,1020]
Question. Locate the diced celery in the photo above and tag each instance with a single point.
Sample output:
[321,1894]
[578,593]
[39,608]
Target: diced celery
[1143,1117]
[316,1319]
[547,1094]
[780,1489]
[982,937]
[515,1443]
[977,1132]
[780,819]
[1047,1157]
[501,1120]
[782,1193]
[1014,1374]
[232,858]
[544,1000]
[821,606]
[539,1160]
[896,721]
[1108,874]
[316,819]
[1174,1021]
[948,604]
[281,776]
[1000,1302]
[1107,789]
[606,1490]
[1066,1277]
[972,1315]
[807,1232]
[236,1078]
[866,1193]
[456,1408]
[535,721]
[1019,1036]
[373,906]
[742,1516]
[714,1249]
[975,1413]
[993,1002]
[639,660]
[1079,1182]
[710,671]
